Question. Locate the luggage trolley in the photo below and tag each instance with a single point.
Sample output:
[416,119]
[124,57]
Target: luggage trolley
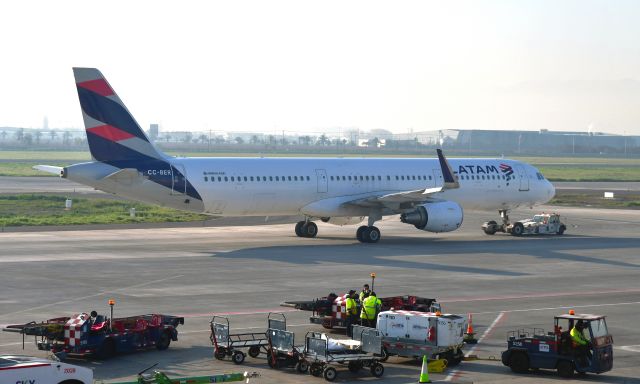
[283,353]
[227,344]
[321,357]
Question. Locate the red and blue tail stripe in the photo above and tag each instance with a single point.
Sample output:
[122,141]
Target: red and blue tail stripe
[113,134]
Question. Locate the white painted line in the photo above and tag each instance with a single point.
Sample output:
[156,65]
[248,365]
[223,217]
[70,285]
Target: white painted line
[90,296]
[629,348]
[553,308]
[486,333]
[6,345]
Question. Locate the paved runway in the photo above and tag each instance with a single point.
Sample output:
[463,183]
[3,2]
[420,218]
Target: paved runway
[246,272]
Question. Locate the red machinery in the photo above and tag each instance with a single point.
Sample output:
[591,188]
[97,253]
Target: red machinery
[330,311]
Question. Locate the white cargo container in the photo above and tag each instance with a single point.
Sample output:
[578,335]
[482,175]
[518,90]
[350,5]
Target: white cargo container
[411,333]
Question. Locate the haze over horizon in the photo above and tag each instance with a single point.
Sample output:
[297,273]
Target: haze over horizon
[305,66]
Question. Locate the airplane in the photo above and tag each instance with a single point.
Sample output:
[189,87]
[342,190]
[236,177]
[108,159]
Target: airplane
[428,193]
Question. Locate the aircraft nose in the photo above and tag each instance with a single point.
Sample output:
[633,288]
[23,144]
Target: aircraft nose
[551,191]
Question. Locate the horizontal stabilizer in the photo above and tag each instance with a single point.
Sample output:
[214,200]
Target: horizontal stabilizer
[49,169]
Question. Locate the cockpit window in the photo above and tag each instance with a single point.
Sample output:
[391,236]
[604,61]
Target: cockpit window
[539,175]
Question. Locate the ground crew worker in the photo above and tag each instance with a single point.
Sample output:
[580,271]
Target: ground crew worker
[378,305]
[365,292]
[370,308]
[352,312]
[580,343]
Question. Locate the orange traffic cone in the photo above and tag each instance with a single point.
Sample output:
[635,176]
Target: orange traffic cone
[469,336]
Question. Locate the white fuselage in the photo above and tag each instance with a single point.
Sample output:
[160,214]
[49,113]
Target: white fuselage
[290,186]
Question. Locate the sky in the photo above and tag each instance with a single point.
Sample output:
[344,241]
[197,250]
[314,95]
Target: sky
[325,66]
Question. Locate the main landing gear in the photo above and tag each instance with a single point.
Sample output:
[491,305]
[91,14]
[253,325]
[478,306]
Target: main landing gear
[306,229]
[369,233]
[366,234]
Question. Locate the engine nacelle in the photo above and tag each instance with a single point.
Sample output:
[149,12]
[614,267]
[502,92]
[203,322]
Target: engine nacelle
[344,220]
[445,216]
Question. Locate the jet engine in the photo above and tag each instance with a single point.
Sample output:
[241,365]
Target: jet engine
[343,220]
[444,216]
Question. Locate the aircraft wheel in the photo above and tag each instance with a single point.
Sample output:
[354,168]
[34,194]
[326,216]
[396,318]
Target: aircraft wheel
[359,233]
[299,225]
[561,230]
[372,235]
[309,230]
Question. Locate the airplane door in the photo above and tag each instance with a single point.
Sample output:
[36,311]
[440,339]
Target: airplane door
[179,180]
[524,178]
[323,183]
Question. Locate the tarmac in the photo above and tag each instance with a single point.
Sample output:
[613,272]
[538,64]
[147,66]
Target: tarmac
[245,272]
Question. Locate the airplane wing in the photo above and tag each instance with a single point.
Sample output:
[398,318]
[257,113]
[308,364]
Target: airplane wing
[416,196]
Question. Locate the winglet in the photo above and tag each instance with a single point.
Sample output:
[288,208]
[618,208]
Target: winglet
[450,181]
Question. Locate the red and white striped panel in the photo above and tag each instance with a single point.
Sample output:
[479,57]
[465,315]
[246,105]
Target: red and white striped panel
[73,329]
[339,307]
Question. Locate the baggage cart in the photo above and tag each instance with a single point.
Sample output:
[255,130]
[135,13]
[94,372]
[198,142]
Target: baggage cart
[283,353]
[323,358]
[230,344]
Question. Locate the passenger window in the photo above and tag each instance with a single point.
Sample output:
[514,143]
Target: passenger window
[277,178]
[388,177]
[270,178]
[295,178]
[379,178]
[429,177]
[219,178]
[232,179]
[264,178]
[226,178]
[308,178]
[397,177]
[289,178]
[361,178]
[413,177]
[206,178]
[367,178]
[251,178]
[402,177]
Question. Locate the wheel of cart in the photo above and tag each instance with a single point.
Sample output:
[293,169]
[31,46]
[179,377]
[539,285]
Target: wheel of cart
[323,357]
[226,343]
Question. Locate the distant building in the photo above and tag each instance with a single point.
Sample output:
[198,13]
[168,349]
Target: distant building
[153,132]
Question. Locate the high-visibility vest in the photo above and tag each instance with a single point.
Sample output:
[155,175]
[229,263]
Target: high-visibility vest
[578,337]
[362,296]
[351,306]
[369,308]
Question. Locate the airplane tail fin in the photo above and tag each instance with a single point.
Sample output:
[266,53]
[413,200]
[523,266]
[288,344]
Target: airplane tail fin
[113,134]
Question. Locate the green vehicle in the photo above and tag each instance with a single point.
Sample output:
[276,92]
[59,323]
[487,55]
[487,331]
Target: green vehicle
[158,377]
